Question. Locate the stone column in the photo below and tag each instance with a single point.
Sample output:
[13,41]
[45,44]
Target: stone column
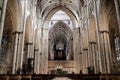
[36,60]
[22,37]
[85,60]
[93,56]
[3,4]
[40,63]
[98,36]
[27,53]
[18,57]
[105,52]
[117,6]
[45,50]
[90,55]
[15,48]
[40,56]
[76,49]
[28,50]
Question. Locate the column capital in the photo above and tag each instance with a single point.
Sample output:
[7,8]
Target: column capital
[85,49]
[36,49]
[28,43]
[17,32]
[104,31]
[92,42]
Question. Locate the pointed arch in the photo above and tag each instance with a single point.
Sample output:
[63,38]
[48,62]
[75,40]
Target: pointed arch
[14,8]
[74,19]
[28,29]
[60,37]
[85,38]
[92,28]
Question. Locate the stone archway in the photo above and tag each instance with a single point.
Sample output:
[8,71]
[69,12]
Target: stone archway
[6,44]
[11,24]
[55,39]
[69,13]
[60,49]
[114,38]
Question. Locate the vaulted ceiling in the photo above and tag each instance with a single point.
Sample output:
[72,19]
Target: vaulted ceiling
[46,6]
[60,33]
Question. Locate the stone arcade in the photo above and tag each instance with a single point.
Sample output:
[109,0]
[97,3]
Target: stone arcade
[74,36]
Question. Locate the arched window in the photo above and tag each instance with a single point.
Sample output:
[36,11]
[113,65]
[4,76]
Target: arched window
[4,46]
[117,46]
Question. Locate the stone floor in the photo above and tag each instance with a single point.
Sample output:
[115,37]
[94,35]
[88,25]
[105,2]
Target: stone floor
[61,78]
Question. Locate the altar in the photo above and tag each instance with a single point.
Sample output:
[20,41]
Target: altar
[61,67]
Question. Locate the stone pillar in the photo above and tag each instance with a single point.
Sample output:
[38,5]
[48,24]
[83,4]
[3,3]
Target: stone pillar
[117,6]
[28,50]
[28,54]
[85,60]
[36,61]
[22,37]
[105,52]
[18,57]
[15,48]
[76,49]
[93,56]
[40,56]
[40,63]
[3,4]
[90,55]
[45,51]
[98,36]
